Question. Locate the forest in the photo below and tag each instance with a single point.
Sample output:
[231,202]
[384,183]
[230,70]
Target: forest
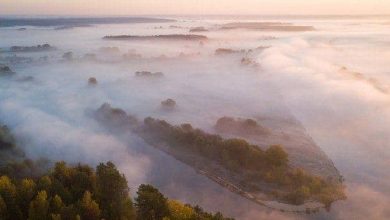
[293,185]
[41,190]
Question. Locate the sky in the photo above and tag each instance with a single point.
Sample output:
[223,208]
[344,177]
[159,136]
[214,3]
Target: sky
[193,7]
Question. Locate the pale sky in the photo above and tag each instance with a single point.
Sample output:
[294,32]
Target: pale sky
[192,7]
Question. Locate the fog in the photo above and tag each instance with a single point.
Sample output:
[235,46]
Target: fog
[335,81]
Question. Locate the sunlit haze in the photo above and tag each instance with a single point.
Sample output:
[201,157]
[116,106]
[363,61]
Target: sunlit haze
[194,7]
[195,109]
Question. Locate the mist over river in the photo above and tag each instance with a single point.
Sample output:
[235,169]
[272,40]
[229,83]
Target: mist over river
[331,74]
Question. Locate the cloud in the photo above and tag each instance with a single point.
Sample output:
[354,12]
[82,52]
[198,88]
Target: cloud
[367,204]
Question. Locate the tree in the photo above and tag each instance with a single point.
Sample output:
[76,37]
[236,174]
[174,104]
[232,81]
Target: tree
[82,179]
[55,217]
[59,189]
[276,156]
[7,141]
[218,216]
[200,214]
[3,209]
[39,207]
[44,183]
[26,192]
[62,172]
[178,211]
[9,194]
[89,209]
[69,213]
[108,199]
[151,204]
[128,210]
[56,205]
[112,192]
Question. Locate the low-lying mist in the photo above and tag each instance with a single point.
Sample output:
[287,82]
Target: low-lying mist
[335,80]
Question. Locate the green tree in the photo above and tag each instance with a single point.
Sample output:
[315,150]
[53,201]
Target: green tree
[276,156]
[89,209]
[39,207]
[9,194]
[178,211]
[59,189]
[82,179]
[218,216]
[56,205]
[151,204]
[26,192]
[128,211]
[55,217]
[299,196]
[112,193]
[44,183]
[69,213]
[62,173]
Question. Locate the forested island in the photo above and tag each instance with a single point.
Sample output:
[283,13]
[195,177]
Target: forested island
[186,37]
[41,190]
[266,26]
[37,48]
[234,163]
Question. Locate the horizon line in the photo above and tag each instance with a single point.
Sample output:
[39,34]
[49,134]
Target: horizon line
[151,15]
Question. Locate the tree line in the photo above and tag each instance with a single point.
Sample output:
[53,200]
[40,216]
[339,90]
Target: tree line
[41,190]
[82,193]
[238,156]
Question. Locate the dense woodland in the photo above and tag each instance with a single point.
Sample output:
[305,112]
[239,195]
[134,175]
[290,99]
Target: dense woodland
[28,190]
[239,156]
[255,165]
